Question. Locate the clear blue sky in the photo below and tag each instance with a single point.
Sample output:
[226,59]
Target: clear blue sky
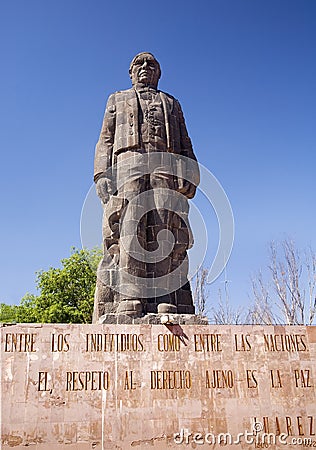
[244,72]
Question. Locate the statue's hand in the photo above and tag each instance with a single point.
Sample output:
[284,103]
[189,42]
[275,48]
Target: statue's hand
[103,189]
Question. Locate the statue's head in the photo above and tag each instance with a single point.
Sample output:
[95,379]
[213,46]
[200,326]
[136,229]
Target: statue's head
[145,69]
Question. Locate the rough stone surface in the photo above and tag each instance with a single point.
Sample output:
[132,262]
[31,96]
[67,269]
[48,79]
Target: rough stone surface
[154,319]
[145,172]
[137,386]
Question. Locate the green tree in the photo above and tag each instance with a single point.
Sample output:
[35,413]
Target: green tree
[8,313]
[66,294]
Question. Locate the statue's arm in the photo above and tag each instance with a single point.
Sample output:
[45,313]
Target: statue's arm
[103,152]
[191,173]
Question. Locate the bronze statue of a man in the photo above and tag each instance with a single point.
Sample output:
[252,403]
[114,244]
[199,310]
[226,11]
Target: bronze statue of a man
[145,170]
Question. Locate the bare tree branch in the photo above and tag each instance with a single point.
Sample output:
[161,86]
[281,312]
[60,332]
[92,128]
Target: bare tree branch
[311,270]
[200,292]
[224,314]
[261,312]
[289,286]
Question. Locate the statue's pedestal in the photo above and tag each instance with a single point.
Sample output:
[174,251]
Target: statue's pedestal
[156,386]
[153,319]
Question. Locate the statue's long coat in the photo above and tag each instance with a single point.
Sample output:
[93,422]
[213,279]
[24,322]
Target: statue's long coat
[120,129]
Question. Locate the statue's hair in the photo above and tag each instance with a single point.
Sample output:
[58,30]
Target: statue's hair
[144,53]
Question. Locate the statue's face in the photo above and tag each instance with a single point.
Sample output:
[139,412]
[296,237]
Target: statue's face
[145,70]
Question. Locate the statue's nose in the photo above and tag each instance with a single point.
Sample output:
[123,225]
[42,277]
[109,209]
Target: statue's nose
[145,63]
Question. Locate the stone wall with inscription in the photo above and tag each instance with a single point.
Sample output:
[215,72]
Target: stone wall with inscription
[156,386]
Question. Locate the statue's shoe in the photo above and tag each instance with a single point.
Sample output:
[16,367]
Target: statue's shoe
[132,308]
[166,308]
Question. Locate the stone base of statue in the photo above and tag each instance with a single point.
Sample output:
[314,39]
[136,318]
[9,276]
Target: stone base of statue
[109,302]
[166,318]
